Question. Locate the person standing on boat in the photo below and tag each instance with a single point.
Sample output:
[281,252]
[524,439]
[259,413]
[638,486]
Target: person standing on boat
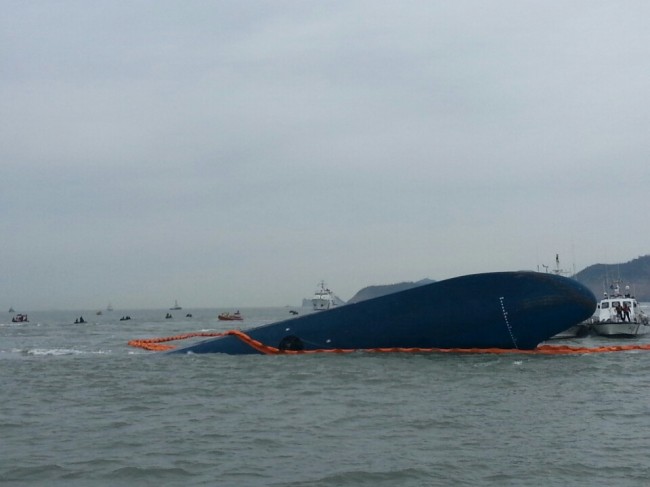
[619,311]
[626,312]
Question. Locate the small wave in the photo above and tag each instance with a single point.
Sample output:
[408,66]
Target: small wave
[137,474]
[60,351]
[33,473]
[52,351]
[405,476]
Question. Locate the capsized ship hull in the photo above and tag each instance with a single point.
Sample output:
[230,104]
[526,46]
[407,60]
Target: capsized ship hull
[493,310]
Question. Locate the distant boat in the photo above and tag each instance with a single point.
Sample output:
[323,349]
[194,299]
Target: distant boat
[109,307]
[20,318]
[176,306]
[236,316]
[323,298]
[580,330]
[11,309]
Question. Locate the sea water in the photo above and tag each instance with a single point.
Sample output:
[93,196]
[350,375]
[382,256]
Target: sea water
[80,407]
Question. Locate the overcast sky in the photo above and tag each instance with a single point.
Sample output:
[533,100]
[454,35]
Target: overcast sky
[235,153]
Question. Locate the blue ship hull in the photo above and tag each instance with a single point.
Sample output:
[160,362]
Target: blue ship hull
[510,310]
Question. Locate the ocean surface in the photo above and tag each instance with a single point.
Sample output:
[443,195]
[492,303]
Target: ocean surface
[80,407]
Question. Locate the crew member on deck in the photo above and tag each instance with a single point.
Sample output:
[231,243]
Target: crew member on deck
[619,311]
[626,312]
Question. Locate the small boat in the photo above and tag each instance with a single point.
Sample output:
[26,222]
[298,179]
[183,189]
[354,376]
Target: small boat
[505,310]
[20,318]
[236,316]
[109,307]
[580,330]
[323,298]
[11,309]
[176,306]
[619,315]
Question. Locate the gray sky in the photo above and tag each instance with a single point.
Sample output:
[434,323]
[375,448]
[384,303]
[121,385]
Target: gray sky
[235,153]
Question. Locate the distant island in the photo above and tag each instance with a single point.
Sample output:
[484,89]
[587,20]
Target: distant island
[597,277]
[635,273]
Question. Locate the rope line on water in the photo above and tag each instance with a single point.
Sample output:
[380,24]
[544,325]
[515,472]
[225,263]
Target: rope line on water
[159,345]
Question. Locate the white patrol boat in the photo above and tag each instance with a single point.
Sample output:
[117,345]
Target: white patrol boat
[324,299]
[619,315]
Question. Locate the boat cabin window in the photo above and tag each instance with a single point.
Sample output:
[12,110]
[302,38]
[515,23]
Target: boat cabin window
[604,305]
[615,304]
